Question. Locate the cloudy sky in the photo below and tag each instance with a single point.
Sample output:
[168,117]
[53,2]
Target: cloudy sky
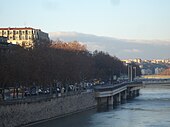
[122,19]
[122,48]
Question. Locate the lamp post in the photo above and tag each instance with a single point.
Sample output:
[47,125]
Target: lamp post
[135,72]
[131,73]
[130,70]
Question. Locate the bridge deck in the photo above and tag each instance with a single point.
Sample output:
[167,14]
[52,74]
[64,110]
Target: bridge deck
[110,90]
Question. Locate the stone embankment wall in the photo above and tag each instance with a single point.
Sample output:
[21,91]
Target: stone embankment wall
[167,86]
[24,113]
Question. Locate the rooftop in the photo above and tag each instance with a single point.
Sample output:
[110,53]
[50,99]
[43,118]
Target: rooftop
[20,28]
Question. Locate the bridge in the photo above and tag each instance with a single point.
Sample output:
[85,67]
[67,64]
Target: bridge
[155,81]
[155,78]
[115,94]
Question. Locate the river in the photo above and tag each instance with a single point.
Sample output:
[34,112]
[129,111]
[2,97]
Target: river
[150,109]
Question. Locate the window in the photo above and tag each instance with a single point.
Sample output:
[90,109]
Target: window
[16,37]
[4,32]
[29,32]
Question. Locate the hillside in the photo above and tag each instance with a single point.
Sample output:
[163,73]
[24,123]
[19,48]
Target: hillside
[165,72]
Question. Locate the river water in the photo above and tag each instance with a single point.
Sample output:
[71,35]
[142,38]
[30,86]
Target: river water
[150,109]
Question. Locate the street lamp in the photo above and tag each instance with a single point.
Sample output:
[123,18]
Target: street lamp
[130,70]
[135,72]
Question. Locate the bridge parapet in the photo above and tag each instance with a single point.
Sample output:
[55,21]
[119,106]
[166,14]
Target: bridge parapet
[115,93]
[109,87]
[109,92]
[136,85]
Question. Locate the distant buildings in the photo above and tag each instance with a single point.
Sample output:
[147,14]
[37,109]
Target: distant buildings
[166,72]
[138,60]
[159,70]
[26,37]
[146,71]
[148,67]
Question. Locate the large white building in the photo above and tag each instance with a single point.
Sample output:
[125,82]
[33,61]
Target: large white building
[146,71]
[138,60]
[26,37]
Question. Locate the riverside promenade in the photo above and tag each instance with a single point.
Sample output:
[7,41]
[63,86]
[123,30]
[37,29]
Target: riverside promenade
[27,112]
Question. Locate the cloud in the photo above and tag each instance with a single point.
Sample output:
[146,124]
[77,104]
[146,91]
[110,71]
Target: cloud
[62,34]
[93,38]
[122,48]
[155,42]
[93,47]
[132,50]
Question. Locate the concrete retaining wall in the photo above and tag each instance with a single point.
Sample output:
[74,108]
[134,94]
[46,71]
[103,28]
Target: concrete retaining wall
[20,114]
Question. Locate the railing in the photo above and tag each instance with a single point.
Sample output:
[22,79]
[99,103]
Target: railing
[39,98]
[101,88]
[109,87]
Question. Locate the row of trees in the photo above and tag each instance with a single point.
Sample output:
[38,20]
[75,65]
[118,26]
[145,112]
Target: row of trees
[67,63]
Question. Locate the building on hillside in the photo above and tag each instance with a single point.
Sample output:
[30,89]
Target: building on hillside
[26,37]
[127,61]
[146,71]
[160,61]
[165,72]
[159,70]
[137,60]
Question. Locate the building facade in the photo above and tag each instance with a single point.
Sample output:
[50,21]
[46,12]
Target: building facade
[159,70]
[3,39]
[26,37]
[6,47]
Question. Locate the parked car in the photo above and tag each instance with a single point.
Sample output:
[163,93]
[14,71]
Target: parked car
[27,92]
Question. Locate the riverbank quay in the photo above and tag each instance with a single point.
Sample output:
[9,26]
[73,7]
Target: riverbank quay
[137,112]
[19,114]
[36,110]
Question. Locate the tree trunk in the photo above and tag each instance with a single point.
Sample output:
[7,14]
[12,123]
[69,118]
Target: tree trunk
[17,92]
[22,89]
[3,96]
[14,93]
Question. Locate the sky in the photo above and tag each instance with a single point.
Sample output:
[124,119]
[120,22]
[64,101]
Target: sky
[121,48]
[123,19]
